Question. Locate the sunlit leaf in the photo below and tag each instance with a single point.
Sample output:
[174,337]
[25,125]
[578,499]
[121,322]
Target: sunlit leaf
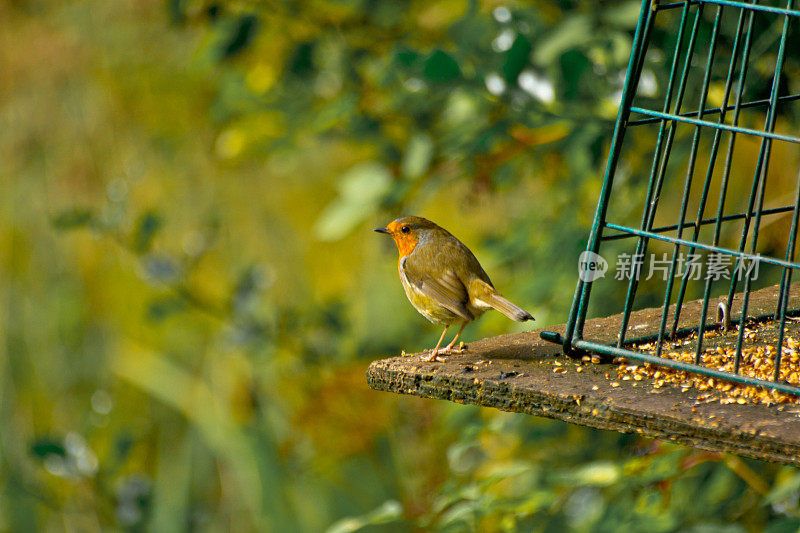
[787,487]
[464,457]
[623,15]
[390,511]
[573,32]
[600,473]
[360,192]
[418,156]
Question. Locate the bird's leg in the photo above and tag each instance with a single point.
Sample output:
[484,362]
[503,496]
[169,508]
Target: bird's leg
[434,355]
[449,347]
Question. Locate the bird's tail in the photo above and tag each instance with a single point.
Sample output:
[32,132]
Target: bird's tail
[511,310]
[488,295]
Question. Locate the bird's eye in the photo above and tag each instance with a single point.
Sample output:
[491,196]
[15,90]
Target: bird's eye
[405,229]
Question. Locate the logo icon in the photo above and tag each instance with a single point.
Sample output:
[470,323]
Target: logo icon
[591,266]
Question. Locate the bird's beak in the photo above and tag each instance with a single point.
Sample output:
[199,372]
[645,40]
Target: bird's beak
[381,230]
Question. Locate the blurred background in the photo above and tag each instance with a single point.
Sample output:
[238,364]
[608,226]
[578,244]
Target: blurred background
[190,291]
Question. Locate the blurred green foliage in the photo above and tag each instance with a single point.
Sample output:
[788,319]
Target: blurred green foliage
[190,293]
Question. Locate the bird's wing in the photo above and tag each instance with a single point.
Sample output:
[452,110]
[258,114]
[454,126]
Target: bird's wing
[441,284]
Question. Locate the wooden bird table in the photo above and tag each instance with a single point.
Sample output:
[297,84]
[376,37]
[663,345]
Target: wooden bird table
[525,374]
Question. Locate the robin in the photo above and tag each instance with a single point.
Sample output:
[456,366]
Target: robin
[443,279]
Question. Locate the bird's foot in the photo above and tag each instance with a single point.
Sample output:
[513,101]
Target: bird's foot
[434,356]
[450,348]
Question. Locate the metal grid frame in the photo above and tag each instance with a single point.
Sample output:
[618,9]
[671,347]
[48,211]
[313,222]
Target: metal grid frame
[685,233]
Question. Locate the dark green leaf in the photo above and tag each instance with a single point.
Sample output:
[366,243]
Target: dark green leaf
[517,58]
[123,444]
[73,218]
[44,446]
[164,308]
[574,64]
[148,225]
[406,57]
[441,67]
[242,33]
[301,61]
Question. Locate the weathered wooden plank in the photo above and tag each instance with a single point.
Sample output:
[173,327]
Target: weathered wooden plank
[516,373]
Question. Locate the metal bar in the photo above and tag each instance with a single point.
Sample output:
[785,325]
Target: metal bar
[783,299]
[687,330]
[704,222]
[671,5]
[703,246]
[687,189]
[762,172]
[706,188]
[723,189]
[696,122]
[730,3]
[637,72]
[659,168]
[687,367]
[786,280]
[751,201]
[786,276]
[634,73]
[755,7]
[715,110]
[578,310]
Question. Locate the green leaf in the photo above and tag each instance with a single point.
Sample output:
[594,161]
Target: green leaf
[574,64]
[73,218]
[572,33]
[163,308]
[620,45]
[242,31]
[440,67]
[361,191]
[301,62]
[389,511]
[44,446]
[463,513]
[625,15]
[598,474]
[418,156]
[146,228]
[517,58]
[787,486]
[464,457]
[406,57]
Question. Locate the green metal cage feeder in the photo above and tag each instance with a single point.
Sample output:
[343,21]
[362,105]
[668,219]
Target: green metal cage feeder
[709,109]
